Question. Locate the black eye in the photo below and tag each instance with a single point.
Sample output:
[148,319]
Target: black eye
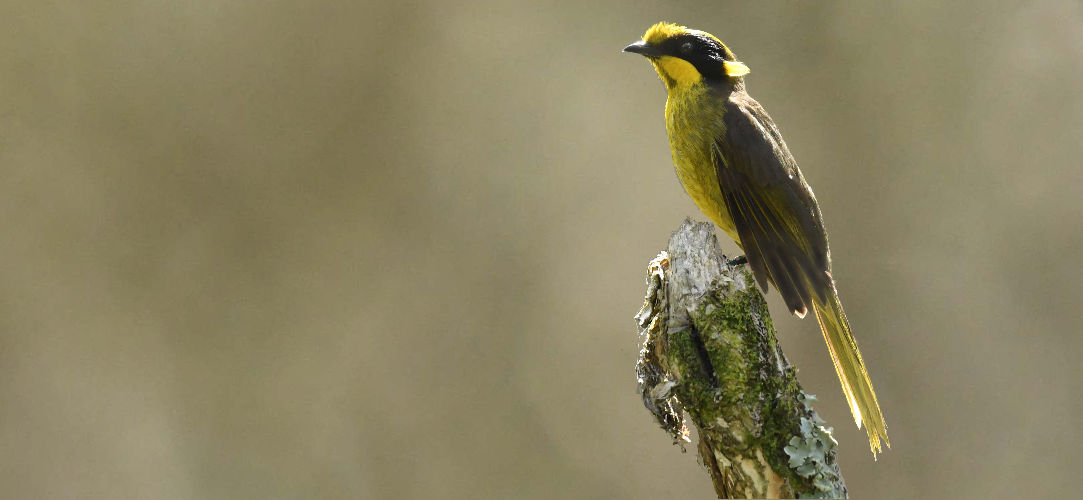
[686,48]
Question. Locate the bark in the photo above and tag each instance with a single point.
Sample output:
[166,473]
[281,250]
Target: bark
[710,356]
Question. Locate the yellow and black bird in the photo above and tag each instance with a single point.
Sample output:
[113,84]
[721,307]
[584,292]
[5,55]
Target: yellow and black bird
[732,161]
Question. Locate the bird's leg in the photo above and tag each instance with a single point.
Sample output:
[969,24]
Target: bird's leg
[741,260]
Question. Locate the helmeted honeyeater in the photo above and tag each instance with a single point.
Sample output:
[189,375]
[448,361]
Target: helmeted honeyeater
[732,161]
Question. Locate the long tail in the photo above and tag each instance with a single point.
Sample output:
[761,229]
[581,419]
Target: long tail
[851,370]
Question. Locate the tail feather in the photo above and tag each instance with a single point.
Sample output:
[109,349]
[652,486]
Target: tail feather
[851,370]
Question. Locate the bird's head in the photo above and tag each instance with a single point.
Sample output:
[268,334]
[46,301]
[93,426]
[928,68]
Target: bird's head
[686,56]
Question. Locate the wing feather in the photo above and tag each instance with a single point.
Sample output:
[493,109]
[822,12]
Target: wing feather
[772,208]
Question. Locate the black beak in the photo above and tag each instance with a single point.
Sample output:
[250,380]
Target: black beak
[643,48]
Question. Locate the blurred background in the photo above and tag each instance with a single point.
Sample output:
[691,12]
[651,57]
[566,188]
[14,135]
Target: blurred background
[393,249]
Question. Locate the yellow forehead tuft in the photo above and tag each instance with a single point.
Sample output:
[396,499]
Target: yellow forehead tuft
[664,31]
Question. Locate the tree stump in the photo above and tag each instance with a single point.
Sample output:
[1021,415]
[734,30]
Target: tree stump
[710,353]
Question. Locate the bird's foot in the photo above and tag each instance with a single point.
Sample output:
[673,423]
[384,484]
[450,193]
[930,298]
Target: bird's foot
[741,260]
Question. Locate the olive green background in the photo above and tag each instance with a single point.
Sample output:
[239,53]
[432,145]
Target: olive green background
[347,250]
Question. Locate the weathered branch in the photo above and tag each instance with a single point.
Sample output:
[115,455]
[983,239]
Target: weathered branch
[709,351]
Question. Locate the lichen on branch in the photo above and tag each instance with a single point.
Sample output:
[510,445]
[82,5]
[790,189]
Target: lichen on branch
[709,352]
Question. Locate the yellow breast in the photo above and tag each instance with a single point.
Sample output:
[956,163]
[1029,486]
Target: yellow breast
[693,124]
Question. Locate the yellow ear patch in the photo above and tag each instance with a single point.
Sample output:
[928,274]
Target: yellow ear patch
[676,69]
[734,68]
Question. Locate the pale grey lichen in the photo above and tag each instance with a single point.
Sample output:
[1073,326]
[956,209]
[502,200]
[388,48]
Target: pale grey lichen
[812,454]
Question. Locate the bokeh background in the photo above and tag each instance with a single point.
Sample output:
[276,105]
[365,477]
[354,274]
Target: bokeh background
[393,250]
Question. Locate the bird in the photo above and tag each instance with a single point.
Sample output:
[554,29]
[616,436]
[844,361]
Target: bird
[732,161]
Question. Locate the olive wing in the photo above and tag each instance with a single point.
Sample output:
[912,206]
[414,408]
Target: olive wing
[773,210]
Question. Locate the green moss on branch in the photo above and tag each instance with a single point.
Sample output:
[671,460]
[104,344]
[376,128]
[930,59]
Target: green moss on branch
[710,352]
